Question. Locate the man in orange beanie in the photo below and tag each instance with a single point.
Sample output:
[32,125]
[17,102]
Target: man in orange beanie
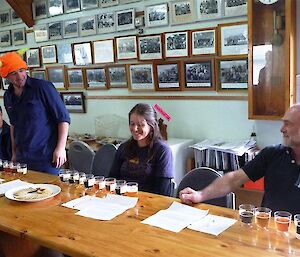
[39,119]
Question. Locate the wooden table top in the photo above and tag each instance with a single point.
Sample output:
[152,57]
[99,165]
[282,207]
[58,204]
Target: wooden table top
[49,224]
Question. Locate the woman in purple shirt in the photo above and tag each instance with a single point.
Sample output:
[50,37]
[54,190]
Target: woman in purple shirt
[145,158]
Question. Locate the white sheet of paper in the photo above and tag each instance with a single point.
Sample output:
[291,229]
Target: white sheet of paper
[73,203]
[212,224]
[176,217]
[12,184]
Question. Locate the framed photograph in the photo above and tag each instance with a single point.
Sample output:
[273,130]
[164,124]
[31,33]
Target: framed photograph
[55,30]
[199,75]
[234,38]
[55,7]
[203,42]
[128,1]
[235,8]
[5,83]
[74,101]
[5,18]
[75,78]
[125,19]
[182,11]
[107,3]
[117,76]
[64,53]
[96,78]
[71,6]
[87,26]
[89,4]
[18,36]
[39,9]
[141,77]
[38,74]
[49,54]
[233,74]
[70,28]
[176,44]
[126,48]
[33,57]
[82,53]
[207,10]
[56,74]
[167,76]
[5,38]
[41,33]
[104,51]
[106,22]
[150,47]
[156,15]
[15,19]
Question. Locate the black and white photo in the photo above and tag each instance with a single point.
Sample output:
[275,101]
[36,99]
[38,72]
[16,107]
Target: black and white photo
[55,7]
[82,53]
[89,4]
[39,9]
[96,78]
[87,25]
[126,47]
[18,36]
[106,22]
[5,83]
[5,38]
[41,33]
[70,28]
[150,47]
[209,9]
[64,53]
[75,78]
[55,30]
[56,74]
[15,19]
[235,7]
[234,39]
[107,3]
[156,15]
[198,74]
[71,6]
[141,77]
[176,44]
[125,19]
[182,11]
[117,76]
[38,74]
[167,75]
[33,57]
[74,101]
[104,51]
[5,18]
[49,54]
[203,42]
[233,74]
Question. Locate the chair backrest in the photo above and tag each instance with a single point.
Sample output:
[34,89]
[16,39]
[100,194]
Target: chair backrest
[104,159]
[201,177]
[80,156]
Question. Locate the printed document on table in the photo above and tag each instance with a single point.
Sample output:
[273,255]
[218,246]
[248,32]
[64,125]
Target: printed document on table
[12,184]
[176,217]
[212,224]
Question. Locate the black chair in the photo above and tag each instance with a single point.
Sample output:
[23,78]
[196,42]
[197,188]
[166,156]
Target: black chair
[199,178]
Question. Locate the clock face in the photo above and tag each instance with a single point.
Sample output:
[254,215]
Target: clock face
[268,1]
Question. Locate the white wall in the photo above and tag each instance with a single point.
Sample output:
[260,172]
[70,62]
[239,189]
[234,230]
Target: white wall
[197,119]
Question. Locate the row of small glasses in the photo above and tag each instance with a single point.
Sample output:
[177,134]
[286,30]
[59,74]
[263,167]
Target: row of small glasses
[99,183]
[262,217]
[14,167]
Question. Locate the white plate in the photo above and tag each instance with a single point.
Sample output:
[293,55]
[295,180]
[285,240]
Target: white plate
[55,190]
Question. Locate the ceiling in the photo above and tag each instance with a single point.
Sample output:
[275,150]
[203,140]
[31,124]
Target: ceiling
[23,9]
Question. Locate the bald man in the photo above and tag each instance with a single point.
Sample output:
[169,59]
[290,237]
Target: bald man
[279,164]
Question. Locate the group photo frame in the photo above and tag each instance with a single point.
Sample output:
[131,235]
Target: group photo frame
[96,78]
[74,101]
[56,75]
[125,19]
[5,18]
[82,53]
[39,9]
[71,28]
[182,11]
[176,44]
[87,26]
[38,74]
[235,8]
[141,77]
[126,47]
[157,15]
[106,22]
[55,7]
[203,42]
[41,33]
[33,58]
[55,30]
[108,3]
[207,10]
[150,47]
[15,19]
[88,4]
[49,54]
[5,38]
[75,78]
[18,36]
[117,76]
[71,6]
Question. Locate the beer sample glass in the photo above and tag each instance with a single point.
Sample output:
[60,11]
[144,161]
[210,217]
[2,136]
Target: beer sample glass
[246,212]
[282,220]
[132,189]
[262,217]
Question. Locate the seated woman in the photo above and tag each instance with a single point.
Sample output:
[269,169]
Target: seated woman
[144,158]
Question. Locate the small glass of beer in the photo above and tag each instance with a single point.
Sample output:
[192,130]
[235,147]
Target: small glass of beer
[246,212]
[282,221]
[262,217]
[132,189]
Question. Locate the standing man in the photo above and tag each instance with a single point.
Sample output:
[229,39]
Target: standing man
[5,141]
[38,117]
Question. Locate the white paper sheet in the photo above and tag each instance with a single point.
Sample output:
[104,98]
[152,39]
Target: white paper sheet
[176,217]
[12,184]
[212,224]
[73,203]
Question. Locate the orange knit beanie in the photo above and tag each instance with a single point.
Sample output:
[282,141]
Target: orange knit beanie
[11,62]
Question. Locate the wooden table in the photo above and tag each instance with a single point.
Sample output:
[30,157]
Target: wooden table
[49,224]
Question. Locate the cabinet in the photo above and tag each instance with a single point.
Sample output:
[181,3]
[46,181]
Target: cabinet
[272,58]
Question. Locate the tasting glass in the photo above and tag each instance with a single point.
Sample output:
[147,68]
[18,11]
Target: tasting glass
[297,224]
[121,187]
[99,183]
[22,168]
[89,184]
[246,212]
[262,217]
[5,165]
[110,184]
[132,189]
[282,221]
